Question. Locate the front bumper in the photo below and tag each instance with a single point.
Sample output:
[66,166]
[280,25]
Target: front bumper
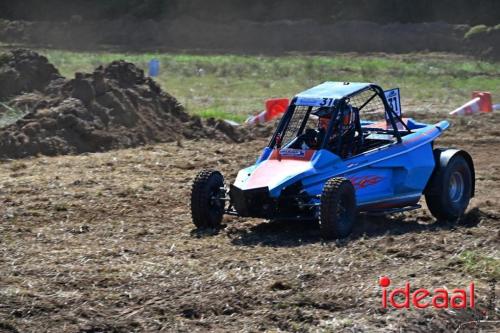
[253,203]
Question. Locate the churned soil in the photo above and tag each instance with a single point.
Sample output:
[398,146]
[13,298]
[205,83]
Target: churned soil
[104,242]
[115,106]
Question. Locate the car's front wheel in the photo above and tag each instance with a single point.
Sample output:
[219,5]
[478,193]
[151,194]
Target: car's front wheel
[207,199]
[338,208]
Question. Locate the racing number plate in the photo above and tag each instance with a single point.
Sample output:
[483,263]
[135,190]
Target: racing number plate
[394,100]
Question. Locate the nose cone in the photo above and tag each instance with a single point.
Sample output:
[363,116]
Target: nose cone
[271,174]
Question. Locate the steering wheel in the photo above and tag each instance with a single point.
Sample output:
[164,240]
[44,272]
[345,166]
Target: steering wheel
[311,138]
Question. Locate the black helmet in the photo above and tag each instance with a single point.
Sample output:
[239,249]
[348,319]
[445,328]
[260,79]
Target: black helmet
[323,111]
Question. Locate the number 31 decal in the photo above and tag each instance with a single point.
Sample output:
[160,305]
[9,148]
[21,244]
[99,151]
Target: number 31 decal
[327,102]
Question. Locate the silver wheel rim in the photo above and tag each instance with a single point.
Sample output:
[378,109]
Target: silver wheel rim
[456,190]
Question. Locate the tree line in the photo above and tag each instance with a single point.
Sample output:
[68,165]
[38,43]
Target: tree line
[327,11]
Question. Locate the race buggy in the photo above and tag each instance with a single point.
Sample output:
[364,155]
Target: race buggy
[325,162]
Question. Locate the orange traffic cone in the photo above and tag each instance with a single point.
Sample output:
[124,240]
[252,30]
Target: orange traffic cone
[471,107]
[485,104]
[274,108]
[257,119]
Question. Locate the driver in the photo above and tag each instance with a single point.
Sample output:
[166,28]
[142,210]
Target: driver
[312,138]
[345,135]
[343,130]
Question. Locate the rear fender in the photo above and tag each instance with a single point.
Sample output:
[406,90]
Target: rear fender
[443,156]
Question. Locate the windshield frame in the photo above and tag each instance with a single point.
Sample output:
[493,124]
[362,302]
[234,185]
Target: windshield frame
[392,117]
[285,123]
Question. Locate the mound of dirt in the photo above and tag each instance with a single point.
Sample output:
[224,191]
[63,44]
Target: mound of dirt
[114,107]
[24,70]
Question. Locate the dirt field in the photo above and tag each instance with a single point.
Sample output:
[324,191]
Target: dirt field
[104,243]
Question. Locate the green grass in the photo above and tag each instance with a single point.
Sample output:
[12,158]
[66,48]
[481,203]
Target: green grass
[478,29]
[214,112]
[480,265]
[234,86]
[9,114]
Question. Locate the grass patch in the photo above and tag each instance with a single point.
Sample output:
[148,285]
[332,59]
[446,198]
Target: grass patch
[236,86]
[3,59]
[480,265]
[10,115]
[217,113]
[478,29]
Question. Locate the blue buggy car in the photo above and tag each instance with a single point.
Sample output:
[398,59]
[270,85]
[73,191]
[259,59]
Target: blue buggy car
[340,149]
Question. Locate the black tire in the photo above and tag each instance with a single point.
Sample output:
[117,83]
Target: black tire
[338,209]
[453,186]
[207,209]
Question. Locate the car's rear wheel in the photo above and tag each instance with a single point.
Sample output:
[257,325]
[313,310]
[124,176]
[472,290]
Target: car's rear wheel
[453,190]
[338,208]
[207,204]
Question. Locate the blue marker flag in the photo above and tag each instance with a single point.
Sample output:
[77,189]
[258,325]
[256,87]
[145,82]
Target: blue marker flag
[154,67]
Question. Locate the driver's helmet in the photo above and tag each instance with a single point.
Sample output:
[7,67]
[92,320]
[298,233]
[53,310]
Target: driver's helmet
[324,115]
[347,117]
[347,123]
[323,111]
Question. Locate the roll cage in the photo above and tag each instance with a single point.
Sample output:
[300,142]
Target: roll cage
[355,101]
